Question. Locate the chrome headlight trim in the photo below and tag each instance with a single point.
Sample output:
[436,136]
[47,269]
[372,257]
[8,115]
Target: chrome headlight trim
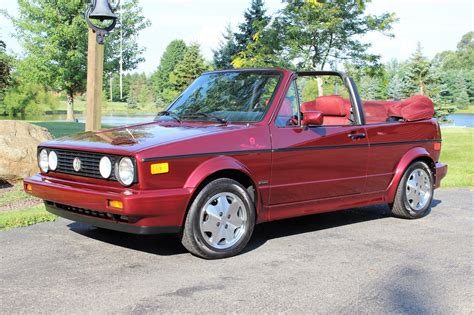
[43,161]
[125,171]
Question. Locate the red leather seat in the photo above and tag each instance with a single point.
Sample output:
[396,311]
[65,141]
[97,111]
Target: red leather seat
[375,111]
[333,107]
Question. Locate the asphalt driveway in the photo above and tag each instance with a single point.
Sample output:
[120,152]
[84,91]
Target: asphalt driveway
[356,261]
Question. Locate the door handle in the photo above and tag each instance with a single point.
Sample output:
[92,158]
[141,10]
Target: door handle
[355,136]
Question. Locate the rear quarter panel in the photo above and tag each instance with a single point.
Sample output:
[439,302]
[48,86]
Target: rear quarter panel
[390,144]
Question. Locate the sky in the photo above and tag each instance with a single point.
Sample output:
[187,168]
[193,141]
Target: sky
[437,24]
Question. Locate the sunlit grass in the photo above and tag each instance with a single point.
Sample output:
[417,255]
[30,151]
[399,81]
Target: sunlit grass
[458,152]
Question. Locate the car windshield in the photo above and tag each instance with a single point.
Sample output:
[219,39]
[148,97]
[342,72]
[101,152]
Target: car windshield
[226,96]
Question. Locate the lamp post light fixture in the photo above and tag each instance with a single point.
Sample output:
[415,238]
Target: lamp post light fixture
[101,10]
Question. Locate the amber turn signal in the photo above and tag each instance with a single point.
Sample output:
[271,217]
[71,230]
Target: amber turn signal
[115,204]
[28,187]
[160,168]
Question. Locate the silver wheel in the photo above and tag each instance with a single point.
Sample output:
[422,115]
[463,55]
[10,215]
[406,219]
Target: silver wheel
[418,189]
[223,220]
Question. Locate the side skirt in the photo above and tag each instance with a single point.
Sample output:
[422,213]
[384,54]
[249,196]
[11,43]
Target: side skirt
[284,211]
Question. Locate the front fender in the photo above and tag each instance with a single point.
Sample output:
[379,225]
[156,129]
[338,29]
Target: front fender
[212,166]
[405,161]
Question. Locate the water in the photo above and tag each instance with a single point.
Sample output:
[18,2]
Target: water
[460,120]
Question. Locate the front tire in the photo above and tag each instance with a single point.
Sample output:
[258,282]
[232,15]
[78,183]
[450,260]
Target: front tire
[414,193]
[220,220]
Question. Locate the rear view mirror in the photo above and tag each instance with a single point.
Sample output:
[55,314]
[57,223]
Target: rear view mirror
[312,118]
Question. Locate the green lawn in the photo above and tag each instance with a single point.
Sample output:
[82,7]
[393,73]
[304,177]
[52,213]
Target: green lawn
[458,152]
[468,110]
[24,217]
[112,107]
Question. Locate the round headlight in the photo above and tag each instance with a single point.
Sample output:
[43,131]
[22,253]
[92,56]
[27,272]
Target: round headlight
[126,171]
[43,161]
[105,167]
[53,161]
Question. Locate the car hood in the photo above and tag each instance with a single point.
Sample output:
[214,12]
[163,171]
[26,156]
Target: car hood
[133,139]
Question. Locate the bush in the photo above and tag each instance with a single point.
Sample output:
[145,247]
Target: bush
[29,100]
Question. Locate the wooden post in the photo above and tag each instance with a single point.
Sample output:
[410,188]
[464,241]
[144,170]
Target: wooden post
[95,77]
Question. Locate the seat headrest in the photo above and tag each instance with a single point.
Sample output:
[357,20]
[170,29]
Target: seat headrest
[330,105]
[308,106]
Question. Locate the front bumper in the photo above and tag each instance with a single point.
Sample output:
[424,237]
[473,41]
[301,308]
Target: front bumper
[441,171]
[143,212]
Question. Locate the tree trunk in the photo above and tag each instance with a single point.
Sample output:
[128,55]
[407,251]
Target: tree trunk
[70,107]
[320,86]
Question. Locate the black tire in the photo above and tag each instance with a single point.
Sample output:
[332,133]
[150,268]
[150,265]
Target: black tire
[192,237]
[402,206]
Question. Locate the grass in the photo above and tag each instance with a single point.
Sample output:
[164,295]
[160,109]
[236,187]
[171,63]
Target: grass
[111,107]
[468,110]
[458,152]
[24,217]
[14,196]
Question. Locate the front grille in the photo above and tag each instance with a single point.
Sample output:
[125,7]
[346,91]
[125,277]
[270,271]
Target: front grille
[93,213]
[89,163]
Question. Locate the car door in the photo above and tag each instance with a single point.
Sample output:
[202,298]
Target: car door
[314,163]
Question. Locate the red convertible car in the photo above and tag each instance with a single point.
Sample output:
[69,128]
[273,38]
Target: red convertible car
[242,147]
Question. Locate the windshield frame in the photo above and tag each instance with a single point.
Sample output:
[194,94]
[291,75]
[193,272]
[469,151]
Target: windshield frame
[277,73]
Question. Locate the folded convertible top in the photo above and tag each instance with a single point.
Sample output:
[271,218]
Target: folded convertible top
[417,107]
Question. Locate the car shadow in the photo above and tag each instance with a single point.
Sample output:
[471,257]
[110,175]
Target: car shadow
[167,245]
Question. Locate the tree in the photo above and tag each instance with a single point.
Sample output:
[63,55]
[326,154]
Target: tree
[54,36]
[5,70]
[172,56]
[417,75]
[256,20]
[131,23]
[189,69]
[461,96]
[226,51]
[395,88]
[314,33]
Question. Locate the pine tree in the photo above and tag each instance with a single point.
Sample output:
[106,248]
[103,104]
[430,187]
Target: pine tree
[172,56]
[256,19]
[185,72]
[226,51]
[417,75]
[461,96]
[395,88]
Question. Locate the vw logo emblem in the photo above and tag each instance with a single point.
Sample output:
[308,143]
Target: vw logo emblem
[76,164]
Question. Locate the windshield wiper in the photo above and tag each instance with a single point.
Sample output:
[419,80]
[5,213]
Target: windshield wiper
[169,114]
[200,114]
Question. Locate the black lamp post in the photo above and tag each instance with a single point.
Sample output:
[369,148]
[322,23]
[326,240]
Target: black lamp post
[101,10]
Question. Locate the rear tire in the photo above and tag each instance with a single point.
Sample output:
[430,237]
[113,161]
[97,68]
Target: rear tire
[414,192]
[220,221]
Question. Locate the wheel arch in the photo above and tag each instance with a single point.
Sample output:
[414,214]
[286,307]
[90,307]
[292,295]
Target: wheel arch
[221,167]
[410,157]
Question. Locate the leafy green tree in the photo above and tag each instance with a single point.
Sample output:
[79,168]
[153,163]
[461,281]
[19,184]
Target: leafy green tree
[54,36]
[314,33]
[29,100]
[226,51]
[5,70]
[191,67]
[172,56]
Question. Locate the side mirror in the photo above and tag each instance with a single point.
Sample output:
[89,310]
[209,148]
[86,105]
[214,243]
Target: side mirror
[312,118]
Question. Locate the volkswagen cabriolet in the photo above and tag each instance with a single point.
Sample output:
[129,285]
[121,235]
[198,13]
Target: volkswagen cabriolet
[243,147]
